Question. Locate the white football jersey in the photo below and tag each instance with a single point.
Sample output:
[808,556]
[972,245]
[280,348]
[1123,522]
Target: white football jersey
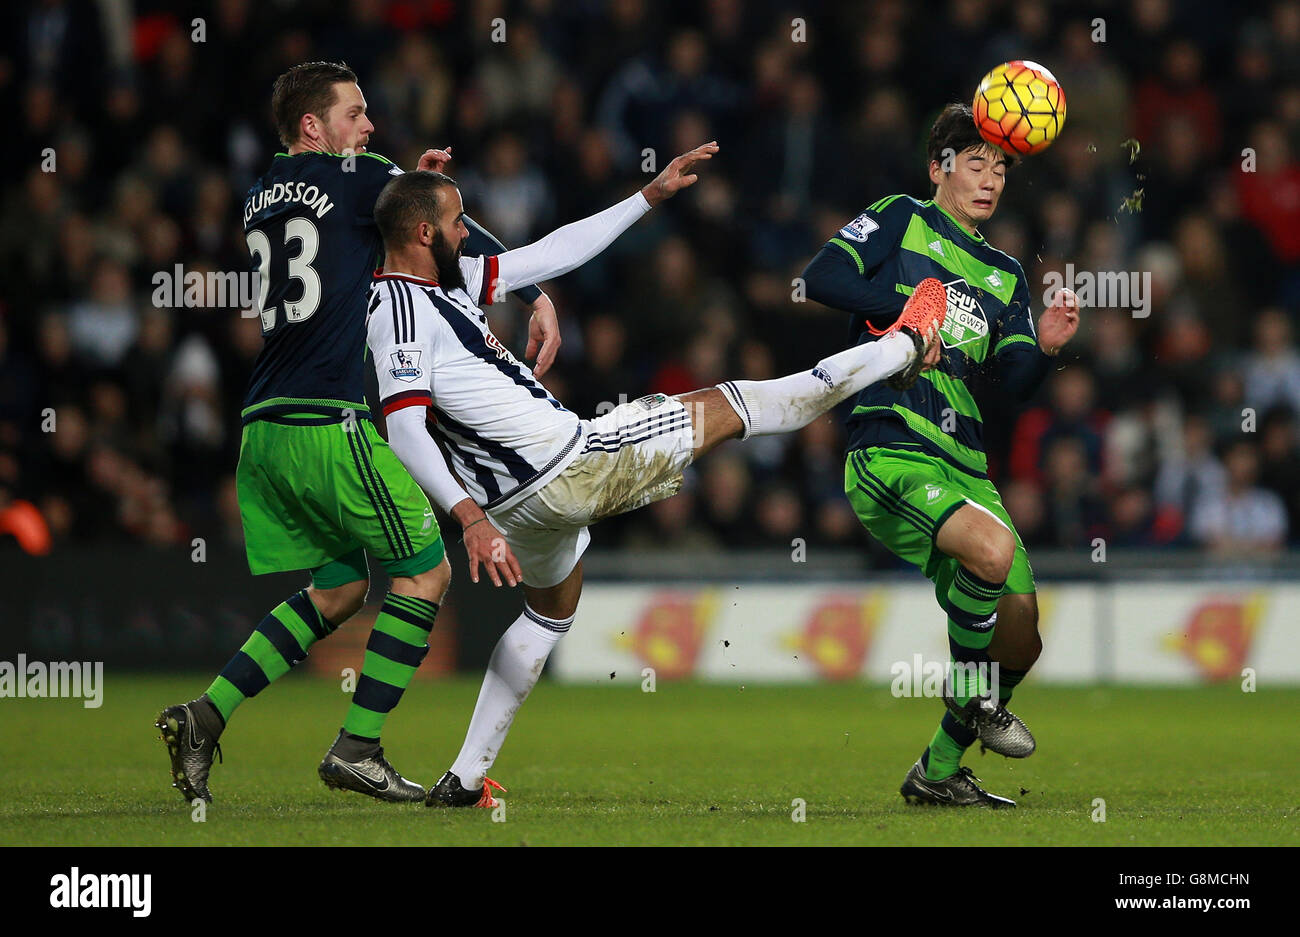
[505,435]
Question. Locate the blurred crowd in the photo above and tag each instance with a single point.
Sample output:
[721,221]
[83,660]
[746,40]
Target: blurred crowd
[119,418]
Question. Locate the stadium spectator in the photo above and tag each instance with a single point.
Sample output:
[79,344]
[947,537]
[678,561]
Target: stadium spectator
[1272,369]
[1075,509]
[103,326]
[1190,475]
[1241,519]
[1280,461]
[1270,195]
[1071,415]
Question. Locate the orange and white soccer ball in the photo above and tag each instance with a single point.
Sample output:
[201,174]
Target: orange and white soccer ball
[1019,107]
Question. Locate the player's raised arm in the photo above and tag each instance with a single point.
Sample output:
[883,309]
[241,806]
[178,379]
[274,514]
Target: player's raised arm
[840,276]
[571,246]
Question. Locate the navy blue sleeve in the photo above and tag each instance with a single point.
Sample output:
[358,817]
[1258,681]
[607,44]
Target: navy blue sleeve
[1020,364]
[832,279]
[482,243]
[843,275]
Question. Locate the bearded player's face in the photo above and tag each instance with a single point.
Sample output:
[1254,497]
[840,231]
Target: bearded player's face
[449,237]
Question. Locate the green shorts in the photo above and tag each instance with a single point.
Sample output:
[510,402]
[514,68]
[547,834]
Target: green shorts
[903,498]
[319,491]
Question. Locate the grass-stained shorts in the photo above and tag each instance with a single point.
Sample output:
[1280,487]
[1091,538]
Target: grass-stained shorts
[903,497]
[318,489]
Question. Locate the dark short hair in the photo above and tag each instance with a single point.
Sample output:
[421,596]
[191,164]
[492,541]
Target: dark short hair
[955,129]
[305,89]
[406,201]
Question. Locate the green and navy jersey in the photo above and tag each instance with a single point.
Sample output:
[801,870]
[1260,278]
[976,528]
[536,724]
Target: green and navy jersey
[311,234]
[870,268]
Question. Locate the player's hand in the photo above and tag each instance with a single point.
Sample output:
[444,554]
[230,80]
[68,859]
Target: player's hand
[434,160]
[1059,322]
[933,353]
[543,335]
[678,175]
[487,545]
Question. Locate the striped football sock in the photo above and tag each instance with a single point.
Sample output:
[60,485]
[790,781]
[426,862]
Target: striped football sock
[279,642]
[971,604]
[397,645]
[950,742]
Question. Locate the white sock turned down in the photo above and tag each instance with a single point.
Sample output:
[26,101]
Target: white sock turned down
[786,404]
[517,662]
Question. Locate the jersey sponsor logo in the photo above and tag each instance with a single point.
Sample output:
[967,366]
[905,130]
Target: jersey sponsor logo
[495,344]
[966,321]
[860,228]
[406,365]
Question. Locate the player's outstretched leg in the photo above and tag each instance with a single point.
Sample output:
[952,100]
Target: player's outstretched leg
[517,661]
[282,639]
[790,403]
[737,408]
[397,646]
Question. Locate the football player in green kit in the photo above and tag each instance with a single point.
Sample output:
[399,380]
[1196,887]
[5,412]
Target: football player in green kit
[916,471]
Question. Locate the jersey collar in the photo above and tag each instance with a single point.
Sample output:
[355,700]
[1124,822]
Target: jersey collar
[380,275]
[976,236]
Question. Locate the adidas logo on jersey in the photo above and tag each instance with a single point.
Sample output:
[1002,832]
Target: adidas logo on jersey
[932,492]
[936,246]
[994,280]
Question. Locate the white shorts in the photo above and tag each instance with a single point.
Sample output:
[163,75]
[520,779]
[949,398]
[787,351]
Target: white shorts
[632,456]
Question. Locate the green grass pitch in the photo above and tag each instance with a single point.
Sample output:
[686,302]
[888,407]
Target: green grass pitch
[689,764]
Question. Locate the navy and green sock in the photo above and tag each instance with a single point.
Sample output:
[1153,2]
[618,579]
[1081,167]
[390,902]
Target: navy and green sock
[279,642]
[971,604]
[397,646]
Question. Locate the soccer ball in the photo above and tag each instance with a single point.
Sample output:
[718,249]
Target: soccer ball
[1019,107]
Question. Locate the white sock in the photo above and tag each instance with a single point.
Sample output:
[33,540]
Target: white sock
[785,404]
[517,662]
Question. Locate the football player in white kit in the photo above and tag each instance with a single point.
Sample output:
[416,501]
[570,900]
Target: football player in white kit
[526,475]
